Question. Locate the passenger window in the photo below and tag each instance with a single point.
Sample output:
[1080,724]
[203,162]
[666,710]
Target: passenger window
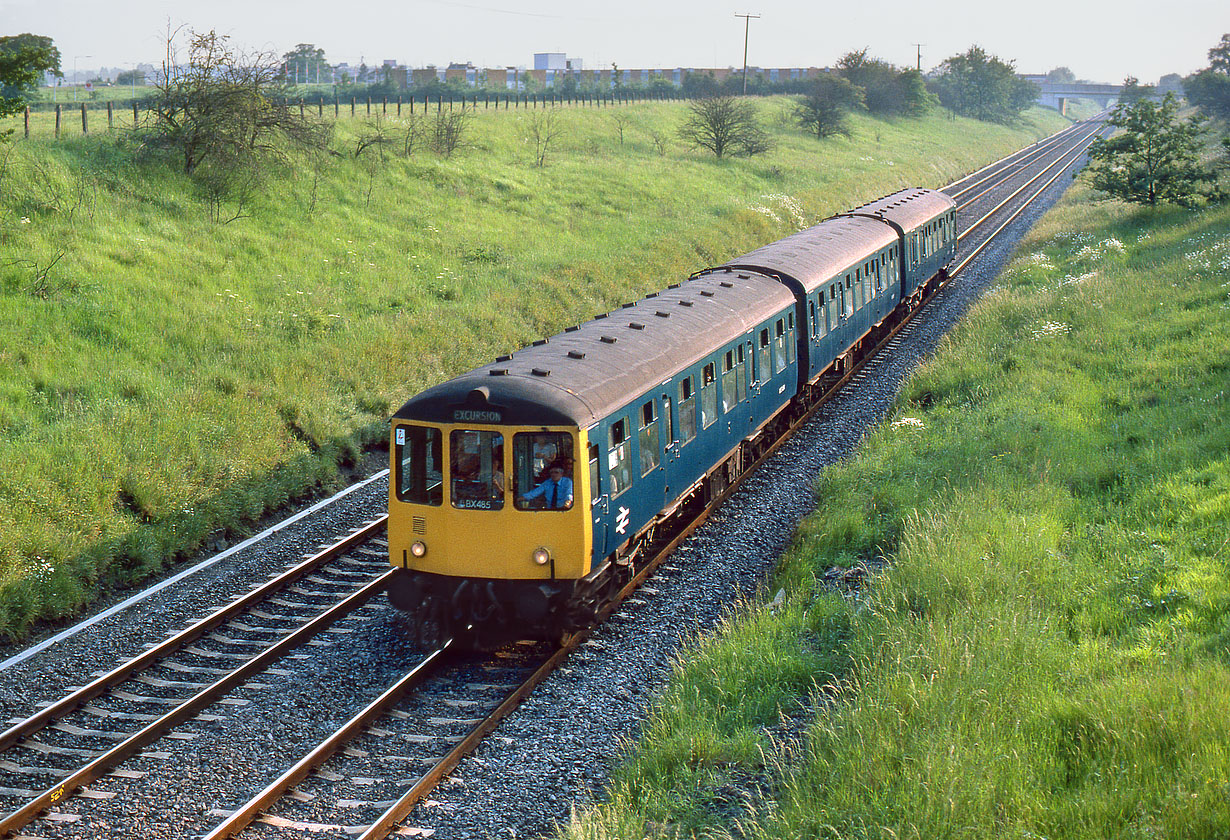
[648,438]
[847,293]
[593,474]
[618,458]
[708,395]
[729,389]
[740,374]
[543,471]
[420,476]
[476,469]
[779,346]
[763,369]
[687,410]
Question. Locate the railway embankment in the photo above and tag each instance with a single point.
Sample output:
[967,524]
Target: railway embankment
[1009,614]
[178,365]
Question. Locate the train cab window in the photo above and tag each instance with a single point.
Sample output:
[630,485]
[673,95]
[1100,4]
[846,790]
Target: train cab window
[779,346]
[730,392]
[619,458]
[708,395]
[648,438]
[543,471]
[420,467]
[594,495]
[687,410]
[790,342]
[476,469]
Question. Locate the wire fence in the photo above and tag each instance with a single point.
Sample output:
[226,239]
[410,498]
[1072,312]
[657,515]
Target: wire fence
[88,116]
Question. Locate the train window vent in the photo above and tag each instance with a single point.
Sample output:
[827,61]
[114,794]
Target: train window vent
[608,339]
[507,358]
[636,326]
[600,316]
[662,314]
[419,525]
[706,293]
[571,329]
[727,285]
[540,372]
[652,295]
[627,305]
[575,354]
[498,371]
[674,285]
[747,277]
[687,303]
[540,342]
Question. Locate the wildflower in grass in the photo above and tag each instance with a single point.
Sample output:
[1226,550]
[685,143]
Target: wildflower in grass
[1051,328]
[25,220]
[908,422]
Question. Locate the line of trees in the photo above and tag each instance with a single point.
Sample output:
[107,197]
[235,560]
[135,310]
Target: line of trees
[24,59]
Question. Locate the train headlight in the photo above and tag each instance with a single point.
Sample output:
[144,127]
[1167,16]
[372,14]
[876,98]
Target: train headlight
[542,556]
[418,548]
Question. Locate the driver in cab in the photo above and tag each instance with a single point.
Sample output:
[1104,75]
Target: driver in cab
[556,491]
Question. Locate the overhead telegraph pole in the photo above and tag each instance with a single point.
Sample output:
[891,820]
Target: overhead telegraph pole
[747,22]
[920,46]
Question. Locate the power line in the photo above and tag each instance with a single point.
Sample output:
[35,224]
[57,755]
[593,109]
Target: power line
[747,22]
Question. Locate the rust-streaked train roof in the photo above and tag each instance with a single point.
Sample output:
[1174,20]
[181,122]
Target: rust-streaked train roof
[816,255]
[588,372]
[908,209]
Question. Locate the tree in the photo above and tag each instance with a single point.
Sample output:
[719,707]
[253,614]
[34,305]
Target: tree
[823,111]
[306,64]
[1155,159]
[130,77]
[23,60]
[1133,91]
[544,130]
[1061,75]
[226,118]
[976,84]
[1209,89]
[725,125]
[696,85]
[886,89]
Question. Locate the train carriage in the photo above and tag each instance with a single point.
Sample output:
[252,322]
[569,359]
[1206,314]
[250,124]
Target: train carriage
[634,408]
[520,492]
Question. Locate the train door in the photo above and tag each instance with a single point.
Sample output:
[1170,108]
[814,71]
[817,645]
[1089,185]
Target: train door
[650,442]
[685,465]
[599,496]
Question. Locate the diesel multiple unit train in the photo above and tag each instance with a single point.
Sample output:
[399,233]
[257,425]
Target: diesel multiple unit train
[521,492]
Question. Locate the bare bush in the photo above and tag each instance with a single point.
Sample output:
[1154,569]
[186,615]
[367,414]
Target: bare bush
[449,131]
[544,132]
[725,125]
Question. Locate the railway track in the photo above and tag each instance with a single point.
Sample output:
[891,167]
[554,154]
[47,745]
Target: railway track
[366,777]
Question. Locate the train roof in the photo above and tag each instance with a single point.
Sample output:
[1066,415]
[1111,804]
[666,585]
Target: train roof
[813,256]
[590,371]
[908,209]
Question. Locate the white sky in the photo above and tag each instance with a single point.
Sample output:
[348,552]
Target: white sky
[1100,40]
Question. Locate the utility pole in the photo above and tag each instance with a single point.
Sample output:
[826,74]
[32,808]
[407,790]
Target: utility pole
[747,22]
[920,46]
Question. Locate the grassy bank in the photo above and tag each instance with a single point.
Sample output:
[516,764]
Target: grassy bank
[168,378]
[1046,652]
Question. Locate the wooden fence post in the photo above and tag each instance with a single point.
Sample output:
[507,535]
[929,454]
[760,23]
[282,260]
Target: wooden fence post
[27,122]
[399,105]
[384,105]
[85,126]
[369,106]
[110,117]
[352,107]
[337,107]
[320,107]
[134,113]
[57,122]
[301,108]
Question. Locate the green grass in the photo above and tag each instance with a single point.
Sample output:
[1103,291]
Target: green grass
[1047,653]
[169,378]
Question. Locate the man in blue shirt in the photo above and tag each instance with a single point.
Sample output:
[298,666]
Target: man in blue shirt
[556,491]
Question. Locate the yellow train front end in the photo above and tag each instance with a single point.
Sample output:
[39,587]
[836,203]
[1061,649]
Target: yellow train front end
[489,525]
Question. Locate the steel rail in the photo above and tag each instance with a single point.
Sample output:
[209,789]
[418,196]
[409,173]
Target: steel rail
[1011,218]
[248,812]
[1074,152]
[152,656]
[1008,157]
[190,707]
[1078,145]
[1026,157]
